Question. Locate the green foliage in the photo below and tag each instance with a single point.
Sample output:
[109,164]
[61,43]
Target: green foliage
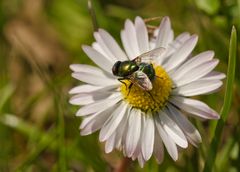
[209,6]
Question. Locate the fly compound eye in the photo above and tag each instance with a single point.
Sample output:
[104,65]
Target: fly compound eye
[115,68]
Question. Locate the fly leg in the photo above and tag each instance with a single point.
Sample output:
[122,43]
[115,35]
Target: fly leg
[121,80]
[129,88]
[158,77]
[150,95]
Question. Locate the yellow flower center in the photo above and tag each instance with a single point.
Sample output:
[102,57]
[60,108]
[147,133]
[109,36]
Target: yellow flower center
[153,100]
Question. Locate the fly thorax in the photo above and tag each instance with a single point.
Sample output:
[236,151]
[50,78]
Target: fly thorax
[127,68]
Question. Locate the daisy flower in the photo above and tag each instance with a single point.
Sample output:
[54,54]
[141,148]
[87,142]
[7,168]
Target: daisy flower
[136,121]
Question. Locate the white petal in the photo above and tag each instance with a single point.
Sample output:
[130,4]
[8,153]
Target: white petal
[194,107]
[98,105]
[168,142]
[214,76]
[104,46]
[197,72]
[97,47]
[112,45]
[89,119]
[98,58]
[129,39]
[138,150]
[141,160]
[171,36]
[191,64]
[181,54]
[164,33]
[86,88]
[89,69]
[113,121]
[121,130]
[181,38]
[142,35]
[125,131]
[94,122]
[105,113]
[152,44]
[174,45]
[134,131]
[109,145]
[126,45]
[94,79]
[173,130]
[148,138]
[83,99]
[189,130]
[197,88]
[158,148]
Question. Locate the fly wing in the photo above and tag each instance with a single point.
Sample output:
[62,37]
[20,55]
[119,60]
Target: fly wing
[150,55]
[140,79]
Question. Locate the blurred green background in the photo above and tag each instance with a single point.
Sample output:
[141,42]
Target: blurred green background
[38,41]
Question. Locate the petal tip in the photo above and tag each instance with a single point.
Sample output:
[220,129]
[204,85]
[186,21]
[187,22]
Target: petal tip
[138,18]
[166,22]
[102,31]
[175,158]
[216,116]
[127,22]
[194,37]
[223,76]
[83,133]
[166,18]
[72,67]
[209,53]
[85,48]
[71,91]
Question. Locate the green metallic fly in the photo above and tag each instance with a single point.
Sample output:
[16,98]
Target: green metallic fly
[140,70]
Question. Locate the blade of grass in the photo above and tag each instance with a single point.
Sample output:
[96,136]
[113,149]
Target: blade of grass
[6,92]
[61,132]
[44,141]
[93,15]
[31,131]
[238,4]
[212,152]
[49,82]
